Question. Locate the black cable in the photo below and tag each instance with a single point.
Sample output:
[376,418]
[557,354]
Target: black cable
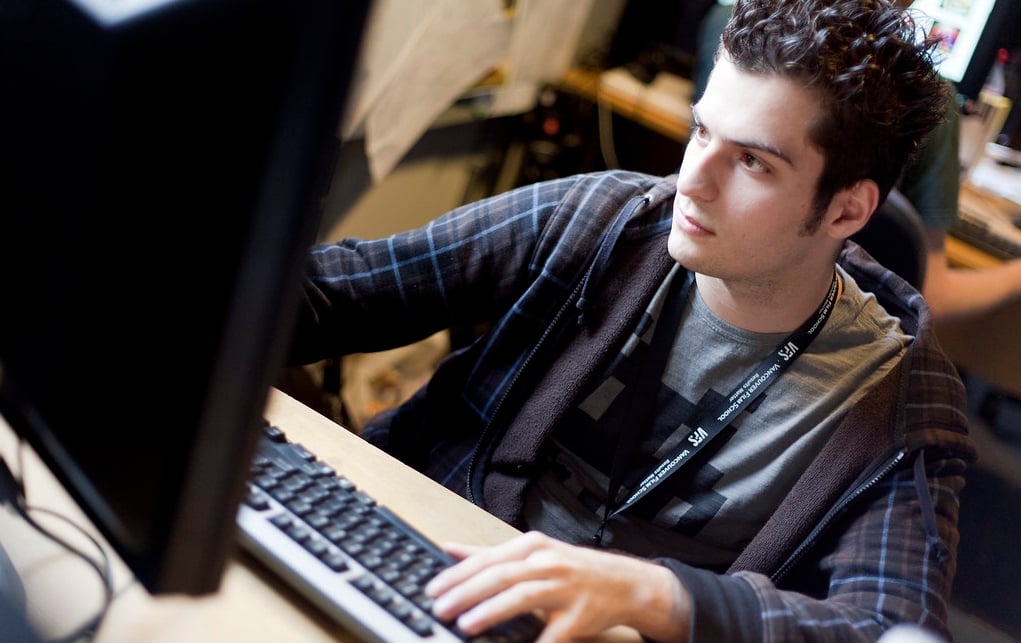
[15,494]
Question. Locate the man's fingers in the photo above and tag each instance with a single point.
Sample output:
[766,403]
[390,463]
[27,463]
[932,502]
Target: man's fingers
[475,559]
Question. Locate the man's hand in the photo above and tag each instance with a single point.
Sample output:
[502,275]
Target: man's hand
[579,591]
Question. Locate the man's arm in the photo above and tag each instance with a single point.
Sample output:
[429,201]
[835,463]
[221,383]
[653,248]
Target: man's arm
[880,568]
[931,184]
[956,293]
[462,268]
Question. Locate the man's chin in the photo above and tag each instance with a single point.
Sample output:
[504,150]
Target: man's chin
[681,249]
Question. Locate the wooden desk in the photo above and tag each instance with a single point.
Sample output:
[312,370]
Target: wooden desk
[251,605]
[988,346]
[961,253]
[672,124]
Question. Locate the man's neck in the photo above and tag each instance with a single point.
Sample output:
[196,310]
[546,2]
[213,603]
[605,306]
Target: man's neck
[764,307]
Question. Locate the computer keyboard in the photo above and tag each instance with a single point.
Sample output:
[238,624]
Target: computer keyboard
[351,556]
[987,232]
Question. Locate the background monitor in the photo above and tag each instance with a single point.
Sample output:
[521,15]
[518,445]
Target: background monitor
[657,35]
[970,32]
[161,164]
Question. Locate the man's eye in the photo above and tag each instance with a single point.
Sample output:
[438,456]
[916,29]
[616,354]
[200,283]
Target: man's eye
[752,162]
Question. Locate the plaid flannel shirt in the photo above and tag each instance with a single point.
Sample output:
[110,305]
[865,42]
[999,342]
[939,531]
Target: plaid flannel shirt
[558,272]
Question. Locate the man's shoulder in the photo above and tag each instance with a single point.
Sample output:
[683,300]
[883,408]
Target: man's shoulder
[606,193]
[896,294]
[610,183]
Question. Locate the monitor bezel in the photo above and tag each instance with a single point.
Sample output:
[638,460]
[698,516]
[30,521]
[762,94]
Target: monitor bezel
[987,43]
[185,549]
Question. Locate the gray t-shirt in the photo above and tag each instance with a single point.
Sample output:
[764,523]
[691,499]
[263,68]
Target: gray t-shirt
[708,510]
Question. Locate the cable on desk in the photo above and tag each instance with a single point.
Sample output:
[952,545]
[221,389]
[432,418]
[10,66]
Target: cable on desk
[15,493]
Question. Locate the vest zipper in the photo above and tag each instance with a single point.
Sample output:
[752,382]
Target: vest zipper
[499,405]
[630,208]
[839,507]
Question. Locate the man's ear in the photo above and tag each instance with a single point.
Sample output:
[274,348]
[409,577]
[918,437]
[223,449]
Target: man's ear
[852,208]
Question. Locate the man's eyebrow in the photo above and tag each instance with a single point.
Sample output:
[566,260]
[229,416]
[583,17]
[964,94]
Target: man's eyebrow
[755,145]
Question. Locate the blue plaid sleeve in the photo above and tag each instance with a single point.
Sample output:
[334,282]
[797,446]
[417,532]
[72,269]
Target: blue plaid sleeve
[462,268]
[882,570]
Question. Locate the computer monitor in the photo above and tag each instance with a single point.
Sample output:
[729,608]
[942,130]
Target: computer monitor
[161,168]
[970,33]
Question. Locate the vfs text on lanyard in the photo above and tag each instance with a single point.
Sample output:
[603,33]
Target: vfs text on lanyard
[747,392]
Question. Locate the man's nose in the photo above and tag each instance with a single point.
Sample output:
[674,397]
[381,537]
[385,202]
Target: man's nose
[696,178]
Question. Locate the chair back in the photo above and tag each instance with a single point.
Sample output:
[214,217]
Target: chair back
[895,237]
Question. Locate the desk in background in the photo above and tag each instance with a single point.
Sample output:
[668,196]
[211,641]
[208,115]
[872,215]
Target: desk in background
[663,106]
[960,252]
[988,346]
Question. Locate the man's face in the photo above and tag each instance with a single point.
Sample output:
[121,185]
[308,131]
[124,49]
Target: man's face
[746,184]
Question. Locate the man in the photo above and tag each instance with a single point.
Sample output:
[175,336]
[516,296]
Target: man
[931,183]
[716,421]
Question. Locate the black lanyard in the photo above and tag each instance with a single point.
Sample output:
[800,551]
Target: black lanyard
[751,387]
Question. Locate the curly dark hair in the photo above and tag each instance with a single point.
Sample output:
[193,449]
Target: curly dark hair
[869,64]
